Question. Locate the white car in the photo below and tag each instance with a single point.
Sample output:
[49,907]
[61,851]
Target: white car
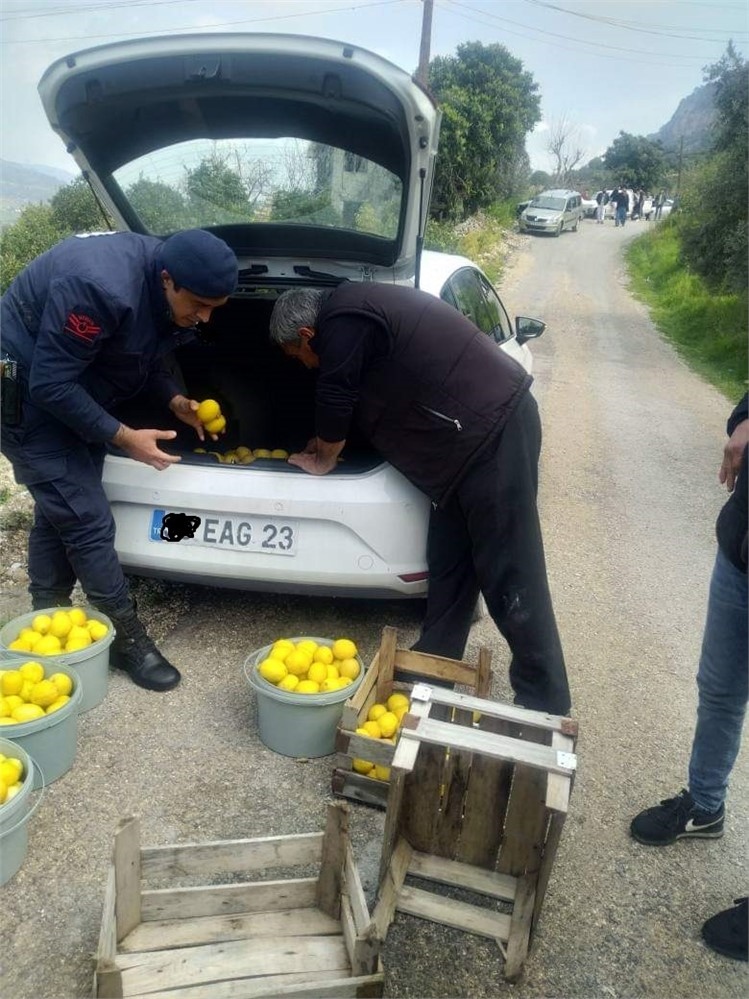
[313,159]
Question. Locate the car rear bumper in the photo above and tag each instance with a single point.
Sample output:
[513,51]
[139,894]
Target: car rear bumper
[356,535]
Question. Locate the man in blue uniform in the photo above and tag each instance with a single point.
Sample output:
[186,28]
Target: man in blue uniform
[88,324]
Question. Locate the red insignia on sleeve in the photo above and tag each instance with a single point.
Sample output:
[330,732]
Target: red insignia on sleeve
[82,326]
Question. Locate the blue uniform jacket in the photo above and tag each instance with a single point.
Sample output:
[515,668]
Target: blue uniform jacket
[88,323]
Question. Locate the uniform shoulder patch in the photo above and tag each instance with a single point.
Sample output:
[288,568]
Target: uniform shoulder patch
[82,326]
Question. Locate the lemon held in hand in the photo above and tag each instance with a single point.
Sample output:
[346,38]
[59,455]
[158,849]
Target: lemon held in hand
[208,410]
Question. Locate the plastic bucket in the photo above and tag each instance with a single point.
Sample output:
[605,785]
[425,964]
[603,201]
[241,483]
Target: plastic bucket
[91,663]
[297,724]
[15,814]
[51,741]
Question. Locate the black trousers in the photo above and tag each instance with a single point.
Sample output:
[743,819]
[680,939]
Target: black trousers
[487,538]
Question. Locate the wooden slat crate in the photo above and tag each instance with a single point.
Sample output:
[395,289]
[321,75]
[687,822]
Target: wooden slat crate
[378,684]
[304,937]
[477,806]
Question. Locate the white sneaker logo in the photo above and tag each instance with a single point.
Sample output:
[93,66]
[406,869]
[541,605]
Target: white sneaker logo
[691,827]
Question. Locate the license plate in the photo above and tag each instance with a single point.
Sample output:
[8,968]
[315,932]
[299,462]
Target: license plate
[265,535]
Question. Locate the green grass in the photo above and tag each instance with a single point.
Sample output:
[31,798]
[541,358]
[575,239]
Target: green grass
[708,328]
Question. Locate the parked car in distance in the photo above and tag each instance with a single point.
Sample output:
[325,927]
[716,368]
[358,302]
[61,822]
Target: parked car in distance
[589,206]
[552,212]
[166,106]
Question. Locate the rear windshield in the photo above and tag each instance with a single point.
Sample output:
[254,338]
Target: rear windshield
[553,204]
[203,183]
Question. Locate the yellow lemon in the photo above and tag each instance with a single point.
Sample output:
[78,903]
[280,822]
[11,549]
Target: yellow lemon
[344,648]
[13,790]
[362,766]
[376,711]
[344,681]
[96,629]
[11,770]
[388,724]
[11,682]
[44,693]
[372,728]
[61,701]
[323,654]
[25,692]
[261,452]
[397,701]
[380,772]
[4,708]
[77,634]
[246,459]
[7,721]
[329,685]
[3,791]
[332,672]
[77,616]
[48,645]
[278,452]
[272,670]
[298,662]
[318,672]
[32,671]
[362,731]
[28,712]
[208,410]
[307,645]
[400,712]
[21,645]
[76,644]
[242,451]
[308,687]
[63,683]
[61,624]
[289,682]
[30,635]
[216,426]
[41,623]
[13,701]
[349,668]
[282,644]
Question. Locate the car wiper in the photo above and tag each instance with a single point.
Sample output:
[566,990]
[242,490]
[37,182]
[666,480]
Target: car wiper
[253,271]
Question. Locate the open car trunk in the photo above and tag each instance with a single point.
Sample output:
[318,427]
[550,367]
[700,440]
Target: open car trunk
[266,397]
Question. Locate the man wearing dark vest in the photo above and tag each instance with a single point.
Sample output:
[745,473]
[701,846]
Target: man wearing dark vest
[454,414]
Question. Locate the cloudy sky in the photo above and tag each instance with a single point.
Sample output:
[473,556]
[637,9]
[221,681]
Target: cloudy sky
[605,67]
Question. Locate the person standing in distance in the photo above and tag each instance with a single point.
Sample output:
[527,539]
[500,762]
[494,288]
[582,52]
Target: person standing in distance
[439,401]
[85,326]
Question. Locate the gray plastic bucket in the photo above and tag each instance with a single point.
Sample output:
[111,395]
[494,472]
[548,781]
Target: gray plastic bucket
[91,663]
[15,814]
[50,741]
[297,724]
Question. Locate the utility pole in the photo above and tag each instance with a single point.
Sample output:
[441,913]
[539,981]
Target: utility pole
[422,74]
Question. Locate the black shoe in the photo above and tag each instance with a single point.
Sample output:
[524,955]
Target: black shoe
[135,653]
[727,931]
[676,818]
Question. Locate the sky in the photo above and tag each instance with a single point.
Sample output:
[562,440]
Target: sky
[603,67]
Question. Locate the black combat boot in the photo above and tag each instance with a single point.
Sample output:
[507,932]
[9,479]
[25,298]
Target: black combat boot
[135,653]
[50,598]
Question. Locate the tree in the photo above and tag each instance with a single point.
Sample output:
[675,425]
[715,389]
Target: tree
[162,208]
[75,209]
[33,233]
[216,193]
[635,161]
[489,104]
[565,146]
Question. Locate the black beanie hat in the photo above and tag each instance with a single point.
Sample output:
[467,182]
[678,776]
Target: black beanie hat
[200,262]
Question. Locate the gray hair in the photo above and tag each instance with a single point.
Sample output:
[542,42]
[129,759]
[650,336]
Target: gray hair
[294,309]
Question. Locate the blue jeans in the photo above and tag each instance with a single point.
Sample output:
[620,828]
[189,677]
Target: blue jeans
[722,686]
[621,214]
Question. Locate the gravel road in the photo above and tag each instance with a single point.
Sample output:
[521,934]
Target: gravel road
[629,494]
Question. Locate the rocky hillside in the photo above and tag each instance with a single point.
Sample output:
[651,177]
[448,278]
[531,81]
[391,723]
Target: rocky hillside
[23,184]
[692,120]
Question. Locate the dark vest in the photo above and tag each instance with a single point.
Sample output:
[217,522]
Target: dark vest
[443,392]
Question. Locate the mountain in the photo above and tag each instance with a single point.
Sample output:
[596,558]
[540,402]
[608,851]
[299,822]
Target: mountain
[693,121]
[24,184]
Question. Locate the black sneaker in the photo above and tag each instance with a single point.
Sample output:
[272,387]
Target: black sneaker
[676,818]
[727,931]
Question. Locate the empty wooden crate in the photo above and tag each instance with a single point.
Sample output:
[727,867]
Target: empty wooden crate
[477,803]
[237,939]
[378,684]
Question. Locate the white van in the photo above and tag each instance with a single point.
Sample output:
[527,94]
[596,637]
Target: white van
[552,211]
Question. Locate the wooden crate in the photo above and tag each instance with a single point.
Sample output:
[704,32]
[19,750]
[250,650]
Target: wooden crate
[309,936]
[378,684]
[476,806]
